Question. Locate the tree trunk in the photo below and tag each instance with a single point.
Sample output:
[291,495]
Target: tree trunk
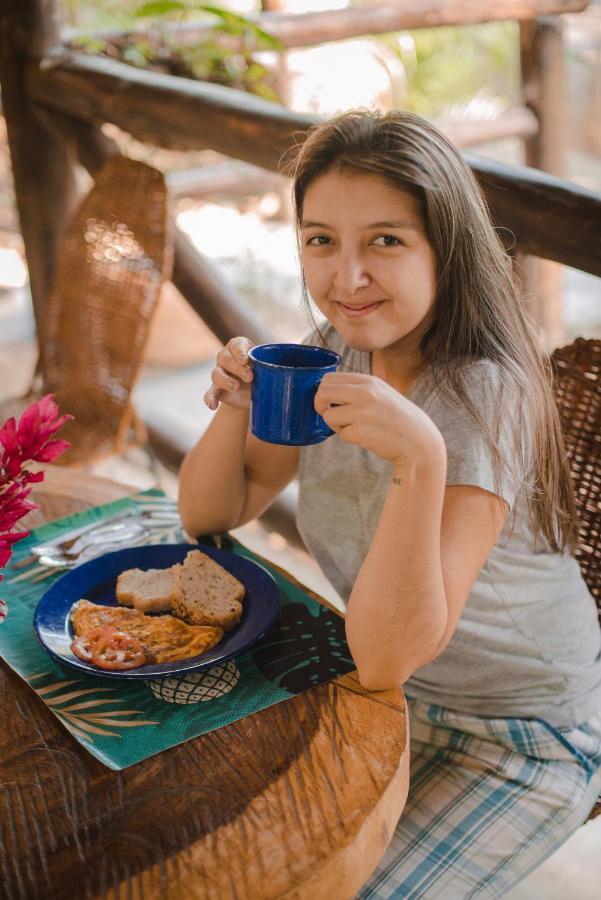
[40,156]
[543,87]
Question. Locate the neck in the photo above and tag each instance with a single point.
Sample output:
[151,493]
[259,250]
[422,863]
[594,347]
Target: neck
[397,367]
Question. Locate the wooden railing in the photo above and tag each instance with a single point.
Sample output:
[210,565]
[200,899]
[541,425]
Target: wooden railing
[55,101]
[157,108]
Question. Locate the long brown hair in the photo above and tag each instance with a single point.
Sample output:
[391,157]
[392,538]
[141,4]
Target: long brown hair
[478,310]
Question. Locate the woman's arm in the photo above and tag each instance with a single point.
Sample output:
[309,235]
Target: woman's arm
[230,477]
[430,543]
[428,549]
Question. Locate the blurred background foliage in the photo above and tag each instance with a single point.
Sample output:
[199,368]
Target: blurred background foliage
[448,66]
[443,66]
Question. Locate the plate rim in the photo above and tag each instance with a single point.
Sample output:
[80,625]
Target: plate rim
[191,666]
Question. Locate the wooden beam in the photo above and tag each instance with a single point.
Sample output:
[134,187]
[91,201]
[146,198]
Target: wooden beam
[231,178]
[44,180]
[189,115]
[549,217]
[307,29]
[517,121]
[172,112]
[397,15]
[543,92]
[543,74]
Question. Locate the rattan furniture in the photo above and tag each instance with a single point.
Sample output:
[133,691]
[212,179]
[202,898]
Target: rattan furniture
[112,263]
[577,371]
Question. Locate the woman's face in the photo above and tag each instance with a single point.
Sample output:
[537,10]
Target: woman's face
[367,261]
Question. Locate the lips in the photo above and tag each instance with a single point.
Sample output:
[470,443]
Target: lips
[357,310]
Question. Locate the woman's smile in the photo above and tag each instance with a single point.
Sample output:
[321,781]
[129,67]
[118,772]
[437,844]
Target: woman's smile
[356,310]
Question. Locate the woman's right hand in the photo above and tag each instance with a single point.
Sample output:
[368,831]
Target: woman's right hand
[231,376]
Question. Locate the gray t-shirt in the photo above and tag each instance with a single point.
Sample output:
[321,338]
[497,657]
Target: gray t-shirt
[528,642]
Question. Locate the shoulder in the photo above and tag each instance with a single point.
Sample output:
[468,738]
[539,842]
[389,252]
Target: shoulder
[480,386]
[480,400]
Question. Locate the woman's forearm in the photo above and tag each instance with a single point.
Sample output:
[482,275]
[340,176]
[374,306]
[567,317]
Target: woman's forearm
[212,486]
[397,611]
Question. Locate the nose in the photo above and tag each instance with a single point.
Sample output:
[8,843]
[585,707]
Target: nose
[351,274]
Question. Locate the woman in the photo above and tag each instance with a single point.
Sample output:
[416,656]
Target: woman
[441,509]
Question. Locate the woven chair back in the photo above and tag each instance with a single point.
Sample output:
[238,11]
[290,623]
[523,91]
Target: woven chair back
[577,370]
[111,265]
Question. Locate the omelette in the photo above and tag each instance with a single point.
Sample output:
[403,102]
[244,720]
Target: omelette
[163,638]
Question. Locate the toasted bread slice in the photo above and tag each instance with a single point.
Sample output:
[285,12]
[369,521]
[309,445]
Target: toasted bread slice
[150,590]
[207,594]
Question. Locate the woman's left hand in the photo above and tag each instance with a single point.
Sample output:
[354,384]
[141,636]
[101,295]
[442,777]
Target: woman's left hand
[366,411]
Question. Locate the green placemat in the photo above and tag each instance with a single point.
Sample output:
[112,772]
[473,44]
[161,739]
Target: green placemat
[121,722]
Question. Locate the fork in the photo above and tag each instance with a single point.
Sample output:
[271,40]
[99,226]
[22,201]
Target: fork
[81,536]
[69,546]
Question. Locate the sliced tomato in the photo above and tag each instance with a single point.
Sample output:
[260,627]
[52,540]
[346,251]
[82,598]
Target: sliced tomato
[83,645]
[117,650]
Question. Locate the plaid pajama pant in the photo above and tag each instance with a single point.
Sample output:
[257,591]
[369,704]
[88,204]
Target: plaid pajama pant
[489,800]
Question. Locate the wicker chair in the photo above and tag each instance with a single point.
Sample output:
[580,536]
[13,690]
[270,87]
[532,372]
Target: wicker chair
[111,266]
[577,370]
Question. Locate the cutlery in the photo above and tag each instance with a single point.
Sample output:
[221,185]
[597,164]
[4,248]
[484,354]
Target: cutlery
[69,545]
[63,562]
[67,541]
[117,533]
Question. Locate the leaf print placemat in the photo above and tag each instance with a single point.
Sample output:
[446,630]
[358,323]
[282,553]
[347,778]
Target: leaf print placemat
[121,722]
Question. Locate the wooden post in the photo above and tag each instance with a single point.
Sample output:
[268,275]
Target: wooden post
[40,156]
[543,88]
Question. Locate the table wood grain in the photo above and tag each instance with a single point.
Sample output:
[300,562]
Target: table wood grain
[296,801]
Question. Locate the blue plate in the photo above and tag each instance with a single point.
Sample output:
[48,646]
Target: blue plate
[95,581]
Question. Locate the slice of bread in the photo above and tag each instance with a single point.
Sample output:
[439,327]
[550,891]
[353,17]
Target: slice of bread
[150,590]
[207,594]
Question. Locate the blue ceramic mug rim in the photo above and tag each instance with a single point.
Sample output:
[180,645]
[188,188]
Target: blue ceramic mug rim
[335,357]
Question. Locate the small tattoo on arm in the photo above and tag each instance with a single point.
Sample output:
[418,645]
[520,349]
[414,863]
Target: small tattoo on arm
[397,480]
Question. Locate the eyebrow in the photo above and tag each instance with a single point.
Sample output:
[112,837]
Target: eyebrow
[391,223]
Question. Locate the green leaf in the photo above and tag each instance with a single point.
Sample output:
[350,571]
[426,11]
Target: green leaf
[256,71]
[136,56]
[89,43]
[225,14]
[266,40]
[159,8]
[261,89]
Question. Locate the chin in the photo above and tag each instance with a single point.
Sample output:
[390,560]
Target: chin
[370,340]
[365,342]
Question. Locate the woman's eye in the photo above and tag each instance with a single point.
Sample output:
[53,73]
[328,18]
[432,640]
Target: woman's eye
[318,240]
[386,240]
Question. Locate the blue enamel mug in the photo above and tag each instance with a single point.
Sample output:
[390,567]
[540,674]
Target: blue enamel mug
[286,378]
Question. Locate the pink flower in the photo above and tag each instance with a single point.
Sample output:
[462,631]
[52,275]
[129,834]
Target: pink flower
[14,504]
[20,443]
[29,440]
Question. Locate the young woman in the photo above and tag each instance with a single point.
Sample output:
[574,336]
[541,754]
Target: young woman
[441,509]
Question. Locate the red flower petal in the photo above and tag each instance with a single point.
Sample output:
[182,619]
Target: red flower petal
[8,436]
[13,537]
[51,450]
[31,477]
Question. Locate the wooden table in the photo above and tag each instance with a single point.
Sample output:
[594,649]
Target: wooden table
[297,801]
